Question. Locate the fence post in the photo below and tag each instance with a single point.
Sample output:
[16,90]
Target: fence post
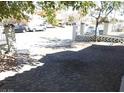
[6,30]
[107,28]
[74,33]
[82,27]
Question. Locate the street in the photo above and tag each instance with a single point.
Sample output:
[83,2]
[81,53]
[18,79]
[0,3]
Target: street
[27,39]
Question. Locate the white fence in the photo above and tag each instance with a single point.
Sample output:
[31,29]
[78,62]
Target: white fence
[79,35]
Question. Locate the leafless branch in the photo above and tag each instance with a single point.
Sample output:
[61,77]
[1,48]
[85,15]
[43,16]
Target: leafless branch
[94,16]
[110,11]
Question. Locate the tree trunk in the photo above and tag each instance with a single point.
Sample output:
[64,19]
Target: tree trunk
[10,38]
[97,23]
[6,29]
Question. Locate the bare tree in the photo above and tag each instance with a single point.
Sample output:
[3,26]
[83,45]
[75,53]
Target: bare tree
[100,13]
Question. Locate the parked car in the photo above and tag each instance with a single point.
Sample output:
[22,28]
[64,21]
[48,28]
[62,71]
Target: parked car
[91,31]
[61,25]
[49,25]
[19,29]
[36,27]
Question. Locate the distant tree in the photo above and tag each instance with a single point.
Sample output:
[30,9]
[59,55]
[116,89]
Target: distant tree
[49,9]
[71,19]
[101,12]
[58,5]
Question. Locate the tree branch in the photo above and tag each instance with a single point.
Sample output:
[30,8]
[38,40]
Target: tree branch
[94,16]
[110,11]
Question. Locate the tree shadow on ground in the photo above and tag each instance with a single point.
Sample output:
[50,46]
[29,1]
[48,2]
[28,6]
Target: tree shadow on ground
[96,68]
[16,61]
[23,57]
[54,43]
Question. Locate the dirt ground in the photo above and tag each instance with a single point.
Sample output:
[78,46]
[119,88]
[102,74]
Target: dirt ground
[95,68]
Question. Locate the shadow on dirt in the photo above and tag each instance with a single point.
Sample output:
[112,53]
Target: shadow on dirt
[23,57]
[96,68]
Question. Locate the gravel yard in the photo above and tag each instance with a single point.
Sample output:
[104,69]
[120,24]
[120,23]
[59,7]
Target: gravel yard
[96,68]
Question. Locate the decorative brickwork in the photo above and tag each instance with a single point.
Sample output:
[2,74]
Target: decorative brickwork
[104,38]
